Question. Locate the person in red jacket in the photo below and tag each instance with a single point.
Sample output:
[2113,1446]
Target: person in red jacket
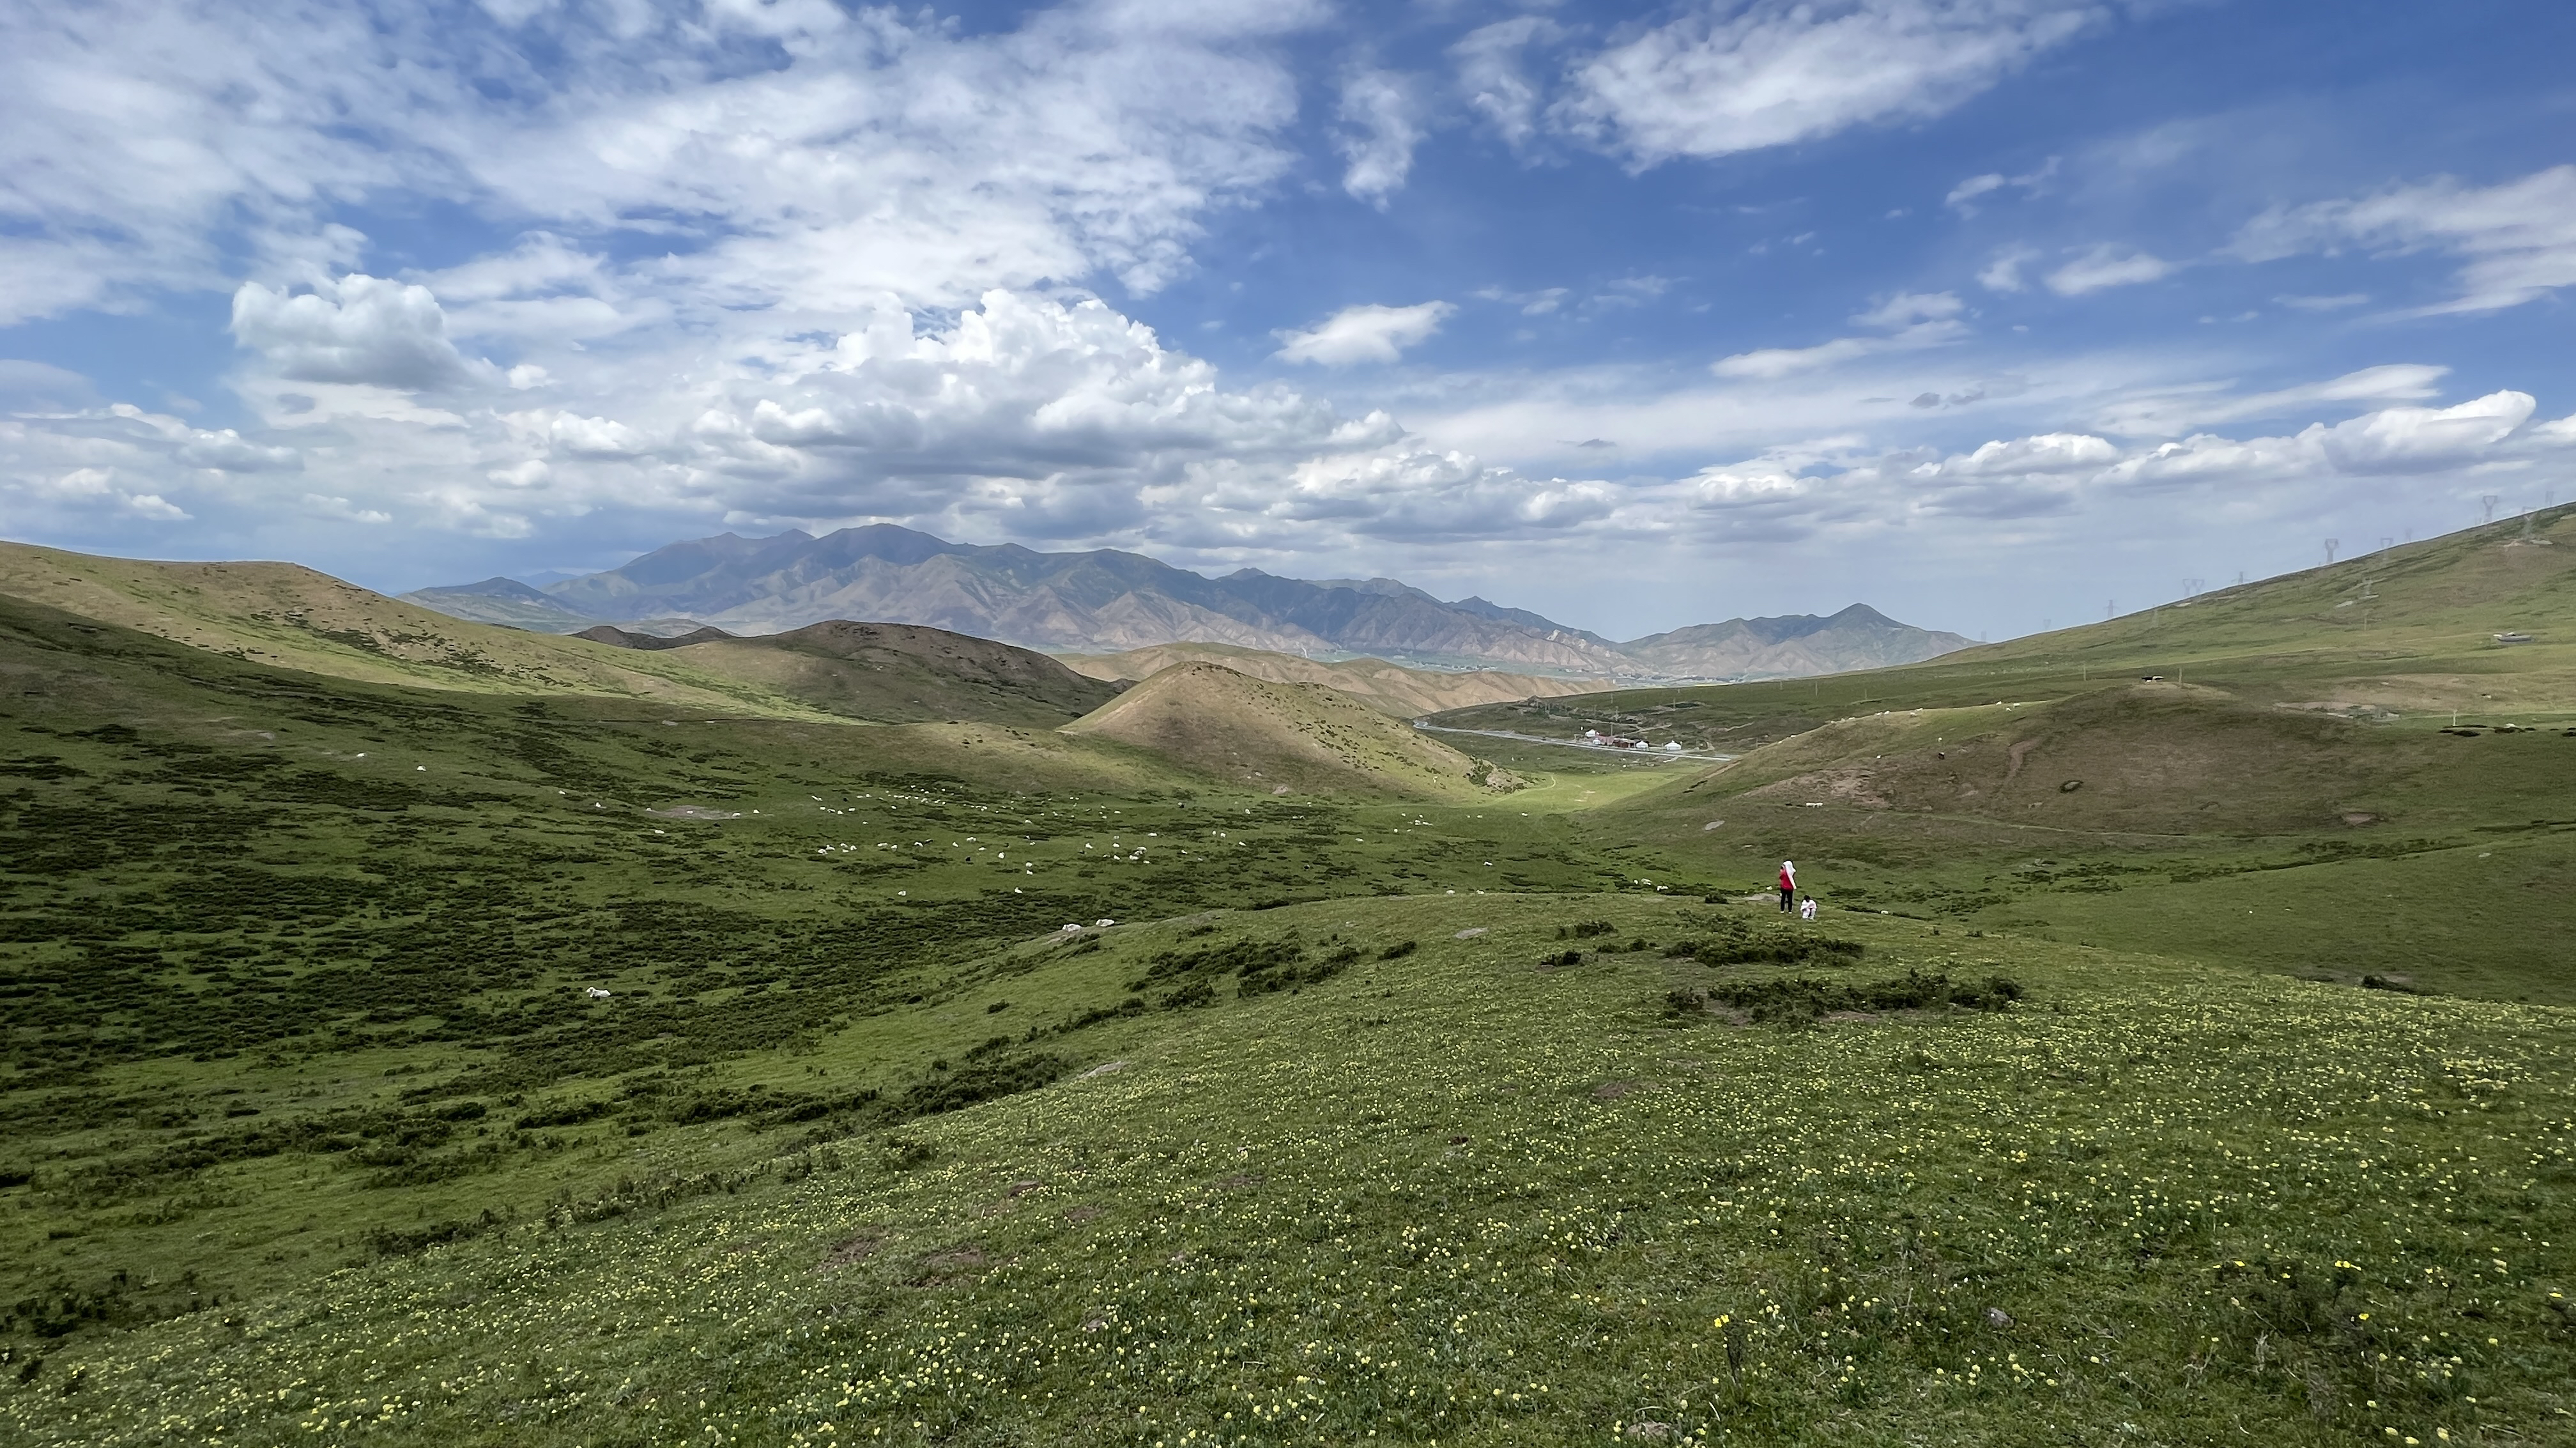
[1788,885]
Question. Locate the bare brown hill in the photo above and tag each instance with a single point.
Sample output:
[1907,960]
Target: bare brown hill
[1392,688]
[1290,737]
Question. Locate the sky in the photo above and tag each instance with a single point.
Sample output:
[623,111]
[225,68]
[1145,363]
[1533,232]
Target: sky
[1997,315]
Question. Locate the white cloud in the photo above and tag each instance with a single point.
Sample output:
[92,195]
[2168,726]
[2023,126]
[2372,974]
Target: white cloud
[2518,238]
[1492,79]
[1382,115]
[227,451]
[321,505]
[1963,198]
[2106,266]
[2324,304]
[2423,439]
[1915,320]
[156,508]
[359,330]
[2171,414]
[2054,452]
[1972,188]
[1532,304]
[865,153]
[2003,273]
[1366,333]
[2040,475]
[595,437]
[1728,78]
[1903,309]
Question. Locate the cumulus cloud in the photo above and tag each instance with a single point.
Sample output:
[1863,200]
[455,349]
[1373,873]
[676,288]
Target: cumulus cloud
[150,145]
[359,329]
[1382,121]
[2518,239]
[229,452]
[1725,78]
[2041,474]
[1366,333]
[2104,267]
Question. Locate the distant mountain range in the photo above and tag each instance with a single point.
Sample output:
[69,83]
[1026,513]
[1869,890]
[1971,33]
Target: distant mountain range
[1108,601]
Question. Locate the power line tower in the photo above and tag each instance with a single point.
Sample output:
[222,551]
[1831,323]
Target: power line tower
[2490,500]
[2331,545]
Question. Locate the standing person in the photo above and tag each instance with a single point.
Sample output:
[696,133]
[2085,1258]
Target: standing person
[1788,885]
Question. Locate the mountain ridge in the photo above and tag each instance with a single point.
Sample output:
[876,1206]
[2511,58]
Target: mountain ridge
[1112,601]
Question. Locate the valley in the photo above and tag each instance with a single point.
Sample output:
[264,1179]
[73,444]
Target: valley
[887,1035]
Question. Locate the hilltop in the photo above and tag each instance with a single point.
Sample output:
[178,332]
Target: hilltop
[1390,687]
[1287,737]
[1107,601]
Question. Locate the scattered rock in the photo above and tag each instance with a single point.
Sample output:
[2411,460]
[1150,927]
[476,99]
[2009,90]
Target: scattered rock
[1469,934]
[1997,1317]
[1651,1431]
[1103,1069]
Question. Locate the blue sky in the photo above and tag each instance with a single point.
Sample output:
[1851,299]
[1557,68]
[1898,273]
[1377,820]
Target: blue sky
[1991,313]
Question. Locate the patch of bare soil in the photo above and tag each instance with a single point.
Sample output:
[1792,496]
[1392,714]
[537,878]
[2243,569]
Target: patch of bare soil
[1613,1090]
[857,1249]
[952,1268]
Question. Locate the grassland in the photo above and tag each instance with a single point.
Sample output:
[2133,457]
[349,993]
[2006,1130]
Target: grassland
[1476,1117]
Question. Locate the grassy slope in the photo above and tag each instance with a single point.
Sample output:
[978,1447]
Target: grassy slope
[296,968]
[1251,733]
[1453,1196]
[2419,645]
[1393,688]
[291,617]
[2290,801]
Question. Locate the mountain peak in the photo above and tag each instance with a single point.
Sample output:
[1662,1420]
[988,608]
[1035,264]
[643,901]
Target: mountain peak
[1109,601]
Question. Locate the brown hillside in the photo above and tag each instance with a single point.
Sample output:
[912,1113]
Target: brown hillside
[1392,688]
[899,673]
[1291,737]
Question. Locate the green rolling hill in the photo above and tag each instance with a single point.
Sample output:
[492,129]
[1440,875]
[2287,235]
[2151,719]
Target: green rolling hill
[627,1045]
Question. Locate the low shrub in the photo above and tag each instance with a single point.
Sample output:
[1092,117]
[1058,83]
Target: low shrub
[1804,998]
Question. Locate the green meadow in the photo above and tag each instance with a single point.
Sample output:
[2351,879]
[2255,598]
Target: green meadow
[2176,1060]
